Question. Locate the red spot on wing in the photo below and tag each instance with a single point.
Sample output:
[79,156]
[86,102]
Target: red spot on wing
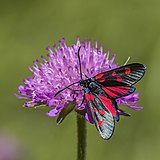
[114,74]
[89,97]
[114,91]
[127,70]
[100,123]
[94,110]
[99,76]
[101,112]
[92,97]
[101,80]
[108,104]
[110,93]
[119,79]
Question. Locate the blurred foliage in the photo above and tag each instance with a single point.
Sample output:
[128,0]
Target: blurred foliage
[129,28]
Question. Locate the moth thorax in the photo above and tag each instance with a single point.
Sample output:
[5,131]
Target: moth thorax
[93,86]
[84,83]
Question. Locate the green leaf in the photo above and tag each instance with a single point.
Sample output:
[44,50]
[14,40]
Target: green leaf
[65,111]
[81,112]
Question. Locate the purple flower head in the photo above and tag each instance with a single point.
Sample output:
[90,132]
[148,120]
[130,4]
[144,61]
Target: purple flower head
[61,69]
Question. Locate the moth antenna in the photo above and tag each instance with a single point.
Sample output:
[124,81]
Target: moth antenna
[65,88]
[80,69]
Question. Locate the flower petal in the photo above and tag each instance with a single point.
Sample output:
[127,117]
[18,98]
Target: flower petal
[54,112]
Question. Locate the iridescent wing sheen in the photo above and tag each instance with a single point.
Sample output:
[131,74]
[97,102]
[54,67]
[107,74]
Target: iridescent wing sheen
[103,112]
[118,82]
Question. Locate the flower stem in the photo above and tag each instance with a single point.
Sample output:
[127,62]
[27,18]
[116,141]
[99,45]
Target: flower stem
[81,145]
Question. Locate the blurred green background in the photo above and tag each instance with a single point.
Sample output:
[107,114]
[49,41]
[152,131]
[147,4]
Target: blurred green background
[129,28]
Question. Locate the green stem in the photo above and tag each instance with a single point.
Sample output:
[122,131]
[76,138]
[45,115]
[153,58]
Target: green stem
[81,145]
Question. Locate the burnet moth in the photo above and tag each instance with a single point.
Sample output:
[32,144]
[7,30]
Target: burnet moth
[101,92]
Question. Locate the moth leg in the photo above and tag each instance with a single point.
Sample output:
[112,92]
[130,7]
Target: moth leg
[124,113]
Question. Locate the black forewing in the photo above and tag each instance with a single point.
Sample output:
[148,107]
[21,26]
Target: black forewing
[103,118]
[118,82]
